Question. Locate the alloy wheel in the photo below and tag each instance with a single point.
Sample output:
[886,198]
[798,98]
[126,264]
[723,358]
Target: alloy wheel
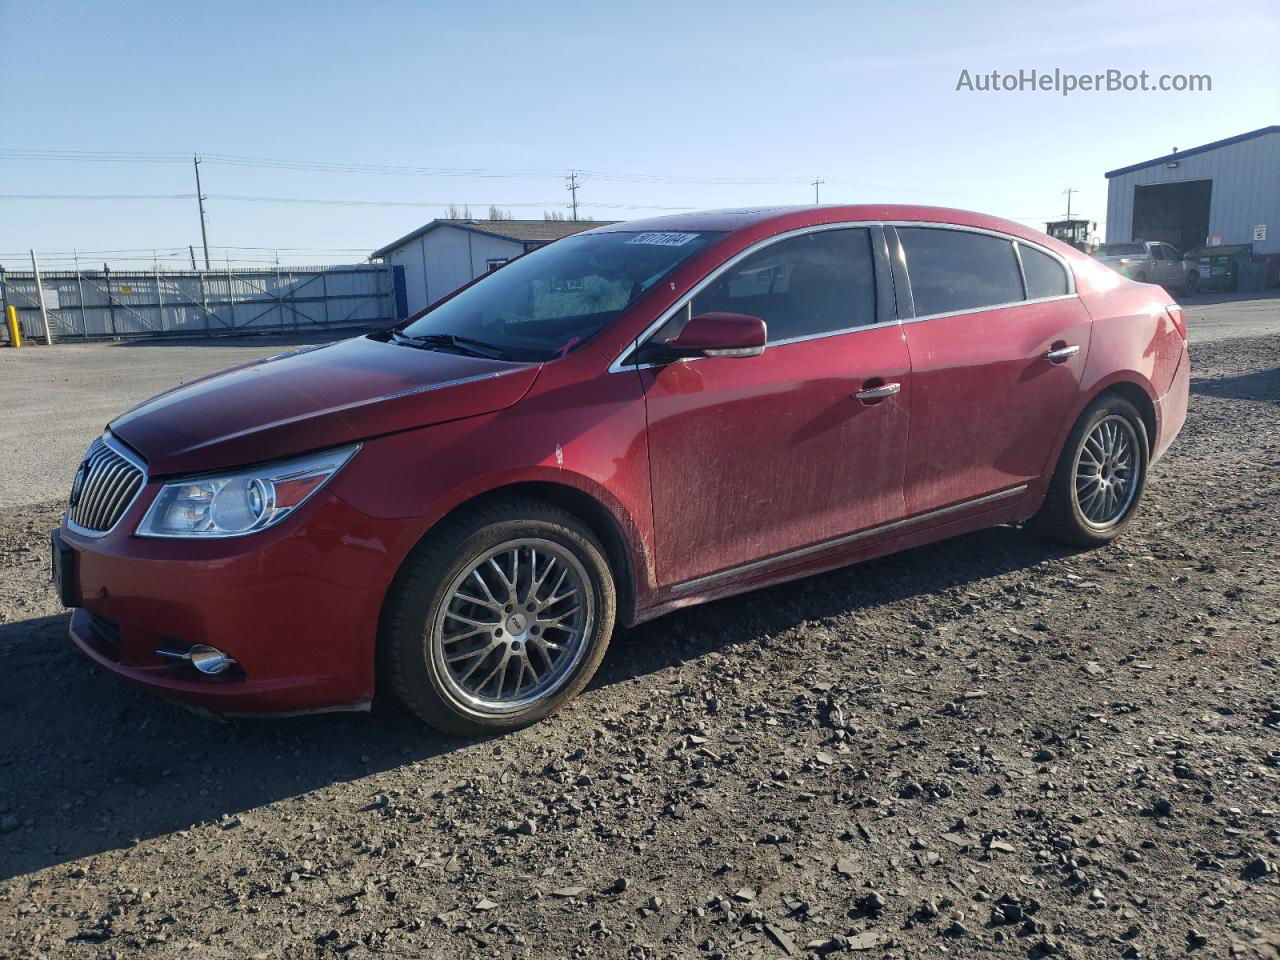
[515,623]
[1106,477]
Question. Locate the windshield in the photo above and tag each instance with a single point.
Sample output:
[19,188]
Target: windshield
[549,301]
[1120,250]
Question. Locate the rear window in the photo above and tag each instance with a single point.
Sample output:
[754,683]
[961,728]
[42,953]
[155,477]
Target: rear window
[1045,275]
[952,270]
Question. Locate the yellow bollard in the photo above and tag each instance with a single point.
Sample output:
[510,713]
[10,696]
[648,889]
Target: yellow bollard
[15,335]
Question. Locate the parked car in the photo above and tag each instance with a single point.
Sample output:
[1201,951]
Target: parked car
[459,511]
[1151,262]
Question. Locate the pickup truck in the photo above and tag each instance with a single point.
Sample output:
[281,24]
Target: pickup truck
[1149,261]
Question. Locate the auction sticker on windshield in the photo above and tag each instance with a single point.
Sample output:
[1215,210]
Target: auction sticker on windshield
[664,239]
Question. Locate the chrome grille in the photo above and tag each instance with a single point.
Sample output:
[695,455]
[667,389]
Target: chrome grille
[105,485]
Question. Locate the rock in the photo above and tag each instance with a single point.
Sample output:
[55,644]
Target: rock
[620,885]
[867,940]
[872,903]
[744,895]
[567,892]
[845,867]
[1162,807]
[1044,756]
[1195,938]
[780,937]
[483,905]
[9,824]
[1256,869]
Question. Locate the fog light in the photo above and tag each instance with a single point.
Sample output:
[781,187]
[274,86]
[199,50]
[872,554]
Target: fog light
[208,660]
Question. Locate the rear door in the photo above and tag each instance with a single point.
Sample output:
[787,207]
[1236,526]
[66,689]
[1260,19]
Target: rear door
[998,342]
[751,458]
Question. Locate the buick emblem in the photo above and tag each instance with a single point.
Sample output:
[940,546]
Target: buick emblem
[78,483]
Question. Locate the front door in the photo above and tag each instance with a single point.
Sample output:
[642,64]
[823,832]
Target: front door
[753,457]
[995,365]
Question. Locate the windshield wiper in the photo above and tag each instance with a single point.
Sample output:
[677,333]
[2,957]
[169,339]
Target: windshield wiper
[469,345]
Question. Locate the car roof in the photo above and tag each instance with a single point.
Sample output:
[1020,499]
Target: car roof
[778,219]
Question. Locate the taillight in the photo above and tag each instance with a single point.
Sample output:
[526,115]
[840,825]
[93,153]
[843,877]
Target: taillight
[1179,320]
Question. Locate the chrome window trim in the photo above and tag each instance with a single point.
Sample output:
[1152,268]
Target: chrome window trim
[1071,277]
[617,366]
[118,448]
[801,552]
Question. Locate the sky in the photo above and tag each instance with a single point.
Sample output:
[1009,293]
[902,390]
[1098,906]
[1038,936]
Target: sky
[395,110]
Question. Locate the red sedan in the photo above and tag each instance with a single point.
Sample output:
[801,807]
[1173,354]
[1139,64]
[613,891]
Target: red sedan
[627,421]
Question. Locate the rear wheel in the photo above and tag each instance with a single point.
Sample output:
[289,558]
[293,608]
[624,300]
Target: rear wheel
[1100,476]
[501,617]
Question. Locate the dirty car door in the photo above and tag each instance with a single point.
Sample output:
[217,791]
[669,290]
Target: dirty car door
[754,457]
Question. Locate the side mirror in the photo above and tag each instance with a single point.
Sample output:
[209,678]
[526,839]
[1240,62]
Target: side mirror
[712,335]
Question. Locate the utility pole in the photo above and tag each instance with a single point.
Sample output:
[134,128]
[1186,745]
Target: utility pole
[1069,191]
[817,182]
[200,198]
[572,184]
[192,250]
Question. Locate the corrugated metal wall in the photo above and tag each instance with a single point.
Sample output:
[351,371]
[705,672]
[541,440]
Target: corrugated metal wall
[96,304]
[1246,191]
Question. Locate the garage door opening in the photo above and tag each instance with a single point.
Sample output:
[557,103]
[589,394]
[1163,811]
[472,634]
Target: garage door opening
[1176,213]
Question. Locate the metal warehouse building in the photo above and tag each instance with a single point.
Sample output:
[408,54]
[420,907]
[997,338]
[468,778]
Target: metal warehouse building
[1221,193]
[441,256]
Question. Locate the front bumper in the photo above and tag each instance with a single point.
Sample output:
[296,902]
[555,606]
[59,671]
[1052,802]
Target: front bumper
[296,606]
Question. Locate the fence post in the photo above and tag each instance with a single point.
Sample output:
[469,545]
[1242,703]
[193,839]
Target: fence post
[389,273]
[4,292]
[44,314]
[111,301]
[204,295]
[84,317]
[279,299]
[155,269]
[231,297]
[324,294]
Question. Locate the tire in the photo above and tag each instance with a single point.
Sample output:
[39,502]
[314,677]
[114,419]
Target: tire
[1140,277]
[441,622]
[1191,286]
[1061,518]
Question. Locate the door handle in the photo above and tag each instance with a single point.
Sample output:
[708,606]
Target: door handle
[878,393]
[1062,354]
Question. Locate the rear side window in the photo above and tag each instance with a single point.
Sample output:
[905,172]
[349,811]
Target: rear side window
[1045,275]
[955,270]
[808,285]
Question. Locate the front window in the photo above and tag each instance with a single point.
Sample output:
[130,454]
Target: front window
[551,300]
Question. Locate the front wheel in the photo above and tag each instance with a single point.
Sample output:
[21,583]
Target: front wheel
[501,617]
[1098,482]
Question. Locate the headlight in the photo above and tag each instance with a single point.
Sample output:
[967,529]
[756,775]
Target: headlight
[243,501]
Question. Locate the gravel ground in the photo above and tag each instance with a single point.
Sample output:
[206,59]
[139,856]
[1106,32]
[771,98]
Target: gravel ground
[986,747]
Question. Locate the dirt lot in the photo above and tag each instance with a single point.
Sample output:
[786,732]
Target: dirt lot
[988,747]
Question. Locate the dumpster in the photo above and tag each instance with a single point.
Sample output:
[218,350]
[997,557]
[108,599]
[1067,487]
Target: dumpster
[1220,267]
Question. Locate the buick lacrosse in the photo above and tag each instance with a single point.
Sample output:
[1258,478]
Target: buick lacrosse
[458,511]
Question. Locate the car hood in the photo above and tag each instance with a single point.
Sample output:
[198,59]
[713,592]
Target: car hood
[313,398]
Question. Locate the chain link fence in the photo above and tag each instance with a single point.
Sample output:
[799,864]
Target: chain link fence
[108,304]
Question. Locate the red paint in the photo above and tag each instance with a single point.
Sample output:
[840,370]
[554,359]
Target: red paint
[707,469]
